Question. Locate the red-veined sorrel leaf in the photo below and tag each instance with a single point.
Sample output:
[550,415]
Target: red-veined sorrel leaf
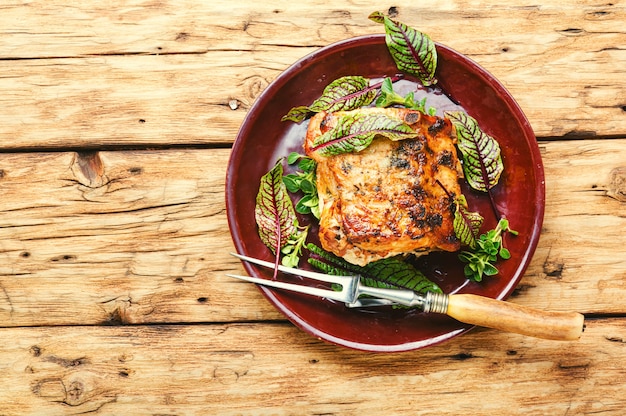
[482,162]
[274,212]
[389,272]
[356,130]
[345,93]
[466,224]
[413,51]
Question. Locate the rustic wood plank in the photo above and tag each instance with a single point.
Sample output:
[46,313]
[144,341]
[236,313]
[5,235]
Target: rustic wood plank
[45,29]
[580,250]
[231,369]
[158,62]
[122,237]
[142,237]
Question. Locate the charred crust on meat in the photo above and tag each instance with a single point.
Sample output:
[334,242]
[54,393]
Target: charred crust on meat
[384,200]
[437,126]
[452,206]
[409,147]
[399,162]
[417,212]
[434,219]
[452,238]
[445,159]
[418,192]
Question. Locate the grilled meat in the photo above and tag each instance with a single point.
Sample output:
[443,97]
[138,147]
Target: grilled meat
[394,197]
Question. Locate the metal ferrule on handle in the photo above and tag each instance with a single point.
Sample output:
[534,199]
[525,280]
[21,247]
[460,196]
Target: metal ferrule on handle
[436,303]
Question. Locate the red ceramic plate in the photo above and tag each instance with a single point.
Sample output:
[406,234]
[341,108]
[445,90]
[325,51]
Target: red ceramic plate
[520,195]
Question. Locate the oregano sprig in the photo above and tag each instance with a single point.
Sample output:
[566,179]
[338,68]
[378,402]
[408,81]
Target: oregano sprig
[305,182]
[480,261]
[389,97]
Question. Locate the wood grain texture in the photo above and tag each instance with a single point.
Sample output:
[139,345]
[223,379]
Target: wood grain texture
[146,73]
[115,123]
[142,237]
[232,369]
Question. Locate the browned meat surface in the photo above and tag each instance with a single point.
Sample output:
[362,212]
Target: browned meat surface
[385,200]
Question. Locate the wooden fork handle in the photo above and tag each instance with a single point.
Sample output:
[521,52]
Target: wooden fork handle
[509,317]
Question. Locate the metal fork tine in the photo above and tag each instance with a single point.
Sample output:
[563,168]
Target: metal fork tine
[323,293]
[342,280]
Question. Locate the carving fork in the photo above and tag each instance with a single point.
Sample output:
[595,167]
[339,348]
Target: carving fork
[466,308]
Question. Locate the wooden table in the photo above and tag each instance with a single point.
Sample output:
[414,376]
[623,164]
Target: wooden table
[116,122]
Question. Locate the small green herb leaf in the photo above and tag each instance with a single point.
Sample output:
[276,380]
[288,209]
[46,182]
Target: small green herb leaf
[345,93]
[413,51]
[305,182]
[485,252]
[482,162]
[389,97]
[356,131]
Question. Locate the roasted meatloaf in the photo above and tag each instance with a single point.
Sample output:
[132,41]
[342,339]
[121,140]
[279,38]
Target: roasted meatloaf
[394,197]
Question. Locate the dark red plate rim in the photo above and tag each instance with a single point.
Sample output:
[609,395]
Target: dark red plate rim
[520,195]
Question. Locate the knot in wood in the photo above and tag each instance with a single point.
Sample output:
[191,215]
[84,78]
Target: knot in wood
[89,169]
[75,393]
[617,184]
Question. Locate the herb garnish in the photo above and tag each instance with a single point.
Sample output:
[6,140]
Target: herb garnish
[345,93]
[488,247]
[389,97]
[276,219]
[390,272]
[482,162]
[304,182]
[413,51]
[466,223]
[356,130]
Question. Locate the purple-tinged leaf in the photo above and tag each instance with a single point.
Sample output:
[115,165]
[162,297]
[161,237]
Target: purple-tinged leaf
[274,213]
[413,51]
[482,162]
[356,130]
[466,224]
[297,114]
[389,272]
[345,93]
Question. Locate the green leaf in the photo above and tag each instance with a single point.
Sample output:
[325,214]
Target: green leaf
[305,182]
[486,251]
[293,157]
[389,97]
[466,224]
[490,270]
[297,114]
[307,164]
[413,51]
[355,131]
[482,162]
[292,182]
[343,94]
[390,272]
[274,212]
